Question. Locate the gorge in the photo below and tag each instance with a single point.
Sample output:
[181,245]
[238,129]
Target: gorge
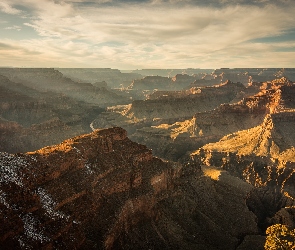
[149,159]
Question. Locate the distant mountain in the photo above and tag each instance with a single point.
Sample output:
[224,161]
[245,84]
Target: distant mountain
[48,79]
[30,118]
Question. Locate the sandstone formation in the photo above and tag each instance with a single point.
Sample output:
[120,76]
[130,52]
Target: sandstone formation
[247,110]
[172,139]
[263,156]
[145,120]
[103,191]
[185,106]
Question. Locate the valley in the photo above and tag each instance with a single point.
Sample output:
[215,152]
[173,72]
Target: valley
[145,159]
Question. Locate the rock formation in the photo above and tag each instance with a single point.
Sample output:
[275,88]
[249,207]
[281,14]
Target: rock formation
[113,77]
[103,191]
[263,156]
[31,119]
[49,79]
[247,110]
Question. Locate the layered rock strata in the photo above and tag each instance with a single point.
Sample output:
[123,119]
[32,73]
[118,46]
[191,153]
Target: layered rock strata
[103,191]
[246,111]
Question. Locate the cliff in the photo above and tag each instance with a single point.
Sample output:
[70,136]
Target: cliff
[263,156]
[247,110]
[165,122]
[178,138]
[103,191]
[186,105]
[272,140]
[52,197]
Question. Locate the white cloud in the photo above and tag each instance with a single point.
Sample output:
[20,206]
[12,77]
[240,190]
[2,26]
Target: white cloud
[140,35]
[14,27]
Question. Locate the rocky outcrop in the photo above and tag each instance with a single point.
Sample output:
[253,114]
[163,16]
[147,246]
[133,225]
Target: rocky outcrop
[164,122]
[263,156]
[69,194]
[103,191]
[176,139]
[184,106]
[246,111]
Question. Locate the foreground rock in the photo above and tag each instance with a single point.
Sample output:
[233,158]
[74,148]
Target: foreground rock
[103,191]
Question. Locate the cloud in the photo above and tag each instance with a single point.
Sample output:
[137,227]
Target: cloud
[140,34]
[6,8]
[14,27]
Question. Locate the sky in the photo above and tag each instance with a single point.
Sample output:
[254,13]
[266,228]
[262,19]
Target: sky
[137,34]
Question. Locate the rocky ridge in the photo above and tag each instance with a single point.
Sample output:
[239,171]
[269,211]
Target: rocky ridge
[171,108]
[247,110]
[113,77]
[30,119]
[103,191]
[49,79]
[263,156]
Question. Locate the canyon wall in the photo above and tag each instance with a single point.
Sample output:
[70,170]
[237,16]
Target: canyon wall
[103,191]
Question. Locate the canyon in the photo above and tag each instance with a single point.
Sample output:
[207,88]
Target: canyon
[150,159]
[101,190]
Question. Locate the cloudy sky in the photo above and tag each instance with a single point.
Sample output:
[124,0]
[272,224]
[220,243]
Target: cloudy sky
[137,34]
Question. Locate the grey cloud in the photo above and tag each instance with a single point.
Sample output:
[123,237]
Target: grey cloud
[6,8]
[5,46]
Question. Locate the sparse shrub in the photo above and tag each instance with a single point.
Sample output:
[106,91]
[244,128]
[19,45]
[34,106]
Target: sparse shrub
[279,237]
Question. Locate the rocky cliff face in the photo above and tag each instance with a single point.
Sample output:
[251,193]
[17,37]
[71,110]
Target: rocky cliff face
[263,156]
[185,106]
[64,195]
[167,117]
[103,191]
[247,110]
[178,138]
